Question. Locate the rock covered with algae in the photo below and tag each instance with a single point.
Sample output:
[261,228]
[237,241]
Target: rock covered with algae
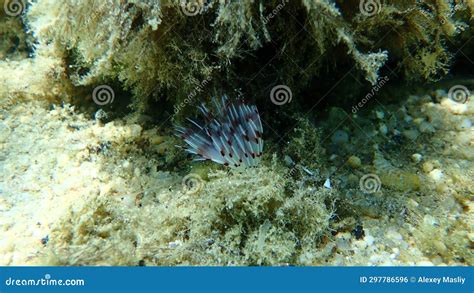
[164,50]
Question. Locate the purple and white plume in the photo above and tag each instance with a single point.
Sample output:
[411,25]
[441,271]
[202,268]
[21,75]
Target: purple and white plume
[232,136]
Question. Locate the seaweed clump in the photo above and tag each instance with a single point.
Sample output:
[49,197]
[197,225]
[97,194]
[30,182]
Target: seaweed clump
[160,51]
[223,222]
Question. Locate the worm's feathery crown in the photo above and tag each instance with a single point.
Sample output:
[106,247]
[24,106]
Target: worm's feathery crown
[232,137]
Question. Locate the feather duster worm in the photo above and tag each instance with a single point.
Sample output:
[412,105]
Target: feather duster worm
[232,136]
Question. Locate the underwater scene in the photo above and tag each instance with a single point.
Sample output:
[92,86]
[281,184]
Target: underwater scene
[236,133]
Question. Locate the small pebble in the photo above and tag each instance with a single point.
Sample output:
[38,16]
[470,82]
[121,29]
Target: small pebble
[440,93]
[125,164]
[426,127]
[454,107]
[394,235]
[440,246]
[354,162]
[430,220]
[327,183]
[380,114]
[427,167]
[174,244]
[436,175]
[369,240]
[340,137]
[353,180]
[416,158]
[465,124]
[413,203]
[411,134]
[470,236]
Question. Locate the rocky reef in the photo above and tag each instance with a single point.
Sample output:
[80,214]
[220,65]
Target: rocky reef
[165,50]
[367,112]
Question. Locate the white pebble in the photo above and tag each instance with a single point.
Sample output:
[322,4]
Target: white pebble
[426,127]
[416,158]
[327,183]
[369,239]
[465,124]
[380,114]
[454,107]
[437,175]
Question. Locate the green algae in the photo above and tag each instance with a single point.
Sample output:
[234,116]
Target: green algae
[159,53]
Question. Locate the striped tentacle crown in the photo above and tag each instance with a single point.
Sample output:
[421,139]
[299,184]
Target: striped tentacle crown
[232,136]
